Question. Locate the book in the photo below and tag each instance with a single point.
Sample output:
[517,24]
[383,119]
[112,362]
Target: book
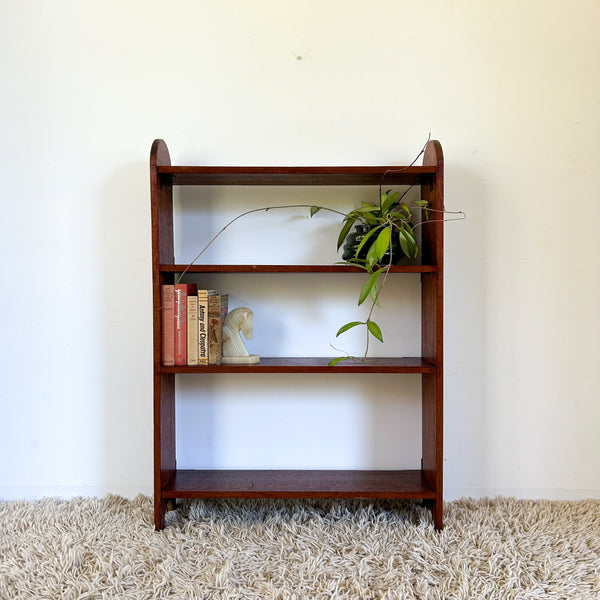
[182,291]
[217,310]
[168,324]
[203,325]
[192,332]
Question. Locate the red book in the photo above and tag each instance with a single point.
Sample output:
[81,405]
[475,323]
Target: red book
[168,325]
[182,291]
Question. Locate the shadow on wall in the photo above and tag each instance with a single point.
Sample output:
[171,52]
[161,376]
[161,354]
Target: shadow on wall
[126,323]
[467,468]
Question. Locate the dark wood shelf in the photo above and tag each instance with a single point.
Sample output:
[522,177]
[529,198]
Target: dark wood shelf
[201,175]
[298,484]
[315,365]
[288,269]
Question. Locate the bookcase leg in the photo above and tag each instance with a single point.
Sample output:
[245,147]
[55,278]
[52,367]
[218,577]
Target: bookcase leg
[437,513]
[160,508]
[436,508]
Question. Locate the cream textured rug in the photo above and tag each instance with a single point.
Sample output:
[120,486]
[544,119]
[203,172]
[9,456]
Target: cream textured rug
[505,549]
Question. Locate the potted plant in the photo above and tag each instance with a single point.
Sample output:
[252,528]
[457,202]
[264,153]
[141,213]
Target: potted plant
[384,234]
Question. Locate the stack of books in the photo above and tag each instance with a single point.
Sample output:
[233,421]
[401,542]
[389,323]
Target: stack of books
[192,325]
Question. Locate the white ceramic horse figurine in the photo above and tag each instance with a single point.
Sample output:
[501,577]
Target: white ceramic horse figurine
[234,350]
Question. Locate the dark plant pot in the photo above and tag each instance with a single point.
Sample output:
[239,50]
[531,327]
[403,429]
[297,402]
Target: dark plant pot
[354,238]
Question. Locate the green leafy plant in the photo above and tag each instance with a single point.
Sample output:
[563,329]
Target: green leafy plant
[391,218]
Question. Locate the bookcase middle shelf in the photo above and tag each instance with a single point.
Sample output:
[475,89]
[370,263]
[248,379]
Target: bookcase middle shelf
[315,365]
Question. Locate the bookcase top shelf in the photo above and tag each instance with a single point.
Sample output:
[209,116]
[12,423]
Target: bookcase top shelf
[288,269]
[353,175]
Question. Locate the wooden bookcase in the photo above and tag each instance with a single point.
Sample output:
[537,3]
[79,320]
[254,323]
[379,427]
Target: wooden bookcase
[426,483]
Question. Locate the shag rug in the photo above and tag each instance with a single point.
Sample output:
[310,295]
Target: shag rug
[271,549]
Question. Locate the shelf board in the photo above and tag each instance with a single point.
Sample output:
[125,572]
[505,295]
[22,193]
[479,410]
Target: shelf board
[298,484]
[288,269]
[202,175]
[315,365]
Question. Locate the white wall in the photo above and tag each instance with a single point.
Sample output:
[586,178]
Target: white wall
[512,91]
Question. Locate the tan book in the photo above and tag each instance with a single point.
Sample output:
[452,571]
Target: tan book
[217,309]
[203,325]
[192,333]
[182,291]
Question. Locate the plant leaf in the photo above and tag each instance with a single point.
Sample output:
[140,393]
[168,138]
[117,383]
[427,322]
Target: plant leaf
[366,289]
[375,330]
[408,228]
[403,243]
[314,210]
[367,209]
[344,232]
[375,293]
[382,243]
[413,243]
[365,239]
[371,258]
[389,201]
[348,326]
[335,361]
[408,243]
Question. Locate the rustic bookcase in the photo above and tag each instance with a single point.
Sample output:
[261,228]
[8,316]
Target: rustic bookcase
[424,484]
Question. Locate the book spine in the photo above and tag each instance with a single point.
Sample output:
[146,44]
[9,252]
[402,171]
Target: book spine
[215,330]
[202,327]
[168,325]
[192,332]
[182,291]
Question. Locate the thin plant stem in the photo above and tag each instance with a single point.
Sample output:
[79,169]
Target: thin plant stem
[244,214]
[448,212]
[403,168]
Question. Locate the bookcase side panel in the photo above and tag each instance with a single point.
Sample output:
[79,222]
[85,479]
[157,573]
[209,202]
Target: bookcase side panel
[161,193]
[432,330]
[164,440]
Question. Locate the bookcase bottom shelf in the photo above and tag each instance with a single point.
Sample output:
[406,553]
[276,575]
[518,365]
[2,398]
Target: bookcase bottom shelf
[410,484]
